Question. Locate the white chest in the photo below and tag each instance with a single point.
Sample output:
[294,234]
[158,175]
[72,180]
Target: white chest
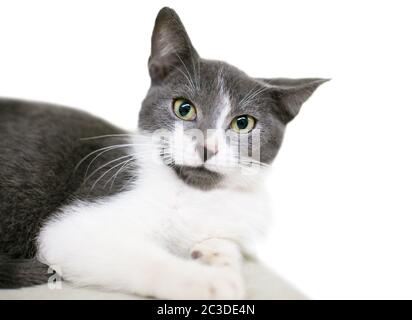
[181,215]
[163,209]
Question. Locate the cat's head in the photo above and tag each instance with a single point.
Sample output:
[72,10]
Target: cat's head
[216,121]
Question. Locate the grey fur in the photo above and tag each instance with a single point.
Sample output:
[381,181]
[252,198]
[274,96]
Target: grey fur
[16,273]
[41,145]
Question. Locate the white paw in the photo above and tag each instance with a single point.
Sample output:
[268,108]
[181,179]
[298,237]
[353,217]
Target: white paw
[217,253]
[216,283]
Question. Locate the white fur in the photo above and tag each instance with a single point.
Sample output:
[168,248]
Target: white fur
[141,240]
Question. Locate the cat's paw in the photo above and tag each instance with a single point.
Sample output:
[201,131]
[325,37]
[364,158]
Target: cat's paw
[219,283]
[217,252]
[205,283]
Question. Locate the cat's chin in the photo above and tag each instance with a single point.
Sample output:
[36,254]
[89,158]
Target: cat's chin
[198,177]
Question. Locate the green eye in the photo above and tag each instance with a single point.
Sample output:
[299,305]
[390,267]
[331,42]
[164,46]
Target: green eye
[243,124]
[184,109]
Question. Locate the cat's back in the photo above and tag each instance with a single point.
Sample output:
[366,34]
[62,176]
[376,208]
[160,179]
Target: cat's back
[36,135]
[35,117]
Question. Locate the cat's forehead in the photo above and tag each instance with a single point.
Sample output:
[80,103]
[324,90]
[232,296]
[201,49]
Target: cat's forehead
[222,76]
[215,84]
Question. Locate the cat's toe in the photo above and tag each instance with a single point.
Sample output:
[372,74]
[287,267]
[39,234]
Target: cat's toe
[218,284]
[228,285]
[216,255]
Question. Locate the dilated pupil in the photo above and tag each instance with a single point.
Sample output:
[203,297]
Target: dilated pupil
[184,109]
[242,122]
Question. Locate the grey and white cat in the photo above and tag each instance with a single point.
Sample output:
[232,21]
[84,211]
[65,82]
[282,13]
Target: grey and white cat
[167,215]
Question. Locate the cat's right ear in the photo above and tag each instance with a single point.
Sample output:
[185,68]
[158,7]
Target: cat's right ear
[171,46]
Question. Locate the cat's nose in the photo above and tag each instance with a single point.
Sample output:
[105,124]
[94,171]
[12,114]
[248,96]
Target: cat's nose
[206,152]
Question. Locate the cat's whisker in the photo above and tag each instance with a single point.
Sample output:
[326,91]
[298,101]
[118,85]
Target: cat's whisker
[120,135]
[106,172]
[127,182]
[107,149]
[100,154]
[253,95]
[113,178]
[190,82]
[242,101]
[104,165]
[196,73]
[258,92]
[188,72]
[250,167]
[95,151]
[241,159]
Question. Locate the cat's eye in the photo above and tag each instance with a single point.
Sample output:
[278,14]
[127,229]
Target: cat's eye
[184,109]
[243,124]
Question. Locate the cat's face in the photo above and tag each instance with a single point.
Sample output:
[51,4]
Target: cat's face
[214,120]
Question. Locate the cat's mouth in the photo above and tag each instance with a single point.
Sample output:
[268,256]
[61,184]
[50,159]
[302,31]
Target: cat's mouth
[198,177]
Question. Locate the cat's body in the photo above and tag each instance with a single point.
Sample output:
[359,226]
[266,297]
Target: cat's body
[40,147]
[161,215]
[139,230]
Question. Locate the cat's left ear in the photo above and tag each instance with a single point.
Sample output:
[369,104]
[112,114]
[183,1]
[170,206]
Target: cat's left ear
[171,46]
[290,94]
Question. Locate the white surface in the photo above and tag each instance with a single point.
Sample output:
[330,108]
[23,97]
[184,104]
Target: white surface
[341,185]
[261,284]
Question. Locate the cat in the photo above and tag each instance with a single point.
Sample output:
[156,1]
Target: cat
[158,212]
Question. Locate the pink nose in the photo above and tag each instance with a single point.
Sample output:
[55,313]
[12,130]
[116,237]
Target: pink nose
[206,153]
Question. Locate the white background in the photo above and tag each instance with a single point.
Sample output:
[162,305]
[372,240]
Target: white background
[342,182]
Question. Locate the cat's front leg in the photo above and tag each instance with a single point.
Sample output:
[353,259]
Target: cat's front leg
[221,253]
[101,246]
